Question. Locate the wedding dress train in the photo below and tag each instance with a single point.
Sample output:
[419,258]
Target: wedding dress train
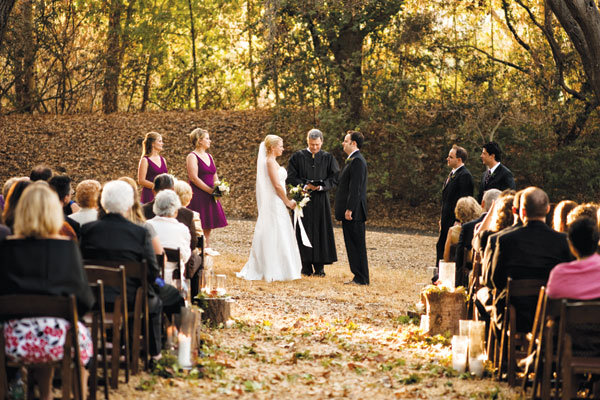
[274,255]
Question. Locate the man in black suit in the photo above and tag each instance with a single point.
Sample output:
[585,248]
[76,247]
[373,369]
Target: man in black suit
[459,183]
[496,176]
[529,252]
[351,207]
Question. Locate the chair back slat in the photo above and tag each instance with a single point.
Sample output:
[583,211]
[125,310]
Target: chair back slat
[173,255]
[523,287]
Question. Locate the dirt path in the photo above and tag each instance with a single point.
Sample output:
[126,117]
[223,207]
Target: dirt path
[318,338]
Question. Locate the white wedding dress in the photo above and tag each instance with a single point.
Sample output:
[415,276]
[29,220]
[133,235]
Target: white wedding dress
[274,255]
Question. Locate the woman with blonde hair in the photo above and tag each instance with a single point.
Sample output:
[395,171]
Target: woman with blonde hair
[467,209]
[274,255]
[202,173]
[38,260]
[151,164]
[559,217]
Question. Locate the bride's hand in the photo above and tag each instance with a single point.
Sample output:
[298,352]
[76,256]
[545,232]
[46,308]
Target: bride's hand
[291,204]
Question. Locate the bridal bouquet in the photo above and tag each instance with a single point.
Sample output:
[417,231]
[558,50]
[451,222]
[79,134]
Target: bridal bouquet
[221,188]
[299,195]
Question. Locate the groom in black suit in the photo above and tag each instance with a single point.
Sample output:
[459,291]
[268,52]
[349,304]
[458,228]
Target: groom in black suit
[459,183]
[497,176]
[351,207]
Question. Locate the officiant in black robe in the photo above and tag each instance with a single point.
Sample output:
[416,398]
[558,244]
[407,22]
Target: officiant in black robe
[317,171]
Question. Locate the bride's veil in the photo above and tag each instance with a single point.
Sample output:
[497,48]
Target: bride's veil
[263,183]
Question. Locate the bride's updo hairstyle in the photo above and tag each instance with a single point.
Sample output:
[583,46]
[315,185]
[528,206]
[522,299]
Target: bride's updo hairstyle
[270,141]
[196,135]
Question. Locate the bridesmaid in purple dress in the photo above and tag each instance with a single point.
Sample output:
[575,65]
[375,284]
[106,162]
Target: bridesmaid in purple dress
[151,164]
[202,173]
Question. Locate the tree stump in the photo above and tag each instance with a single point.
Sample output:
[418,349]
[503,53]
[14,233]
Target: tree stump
[444,310]
[217,310]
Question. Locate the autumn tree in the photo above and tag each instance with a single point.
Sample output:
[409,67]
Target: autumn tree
[339,28]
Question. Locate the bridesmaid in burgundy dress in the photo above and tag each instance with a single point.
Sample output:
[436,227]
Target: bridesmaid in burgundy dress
[202,173]
[151,164]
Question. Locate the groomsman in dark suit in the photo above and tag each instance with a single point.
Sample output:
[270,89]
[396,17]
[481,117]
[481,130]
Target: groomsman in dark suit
[497,176]
[459,183]
[351,207]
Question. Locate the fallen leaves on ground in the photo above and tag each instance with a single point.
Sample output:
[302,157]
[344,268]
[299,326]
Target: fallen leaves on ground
[317,338]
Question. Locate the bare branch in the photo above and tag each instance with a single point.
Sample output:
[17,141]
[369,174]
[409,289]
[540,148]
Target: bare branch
[493,132]
[491,57]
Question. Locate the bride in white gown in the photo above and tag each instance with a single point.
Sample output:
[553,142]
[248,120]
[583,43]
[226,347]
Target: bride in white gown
[274,255]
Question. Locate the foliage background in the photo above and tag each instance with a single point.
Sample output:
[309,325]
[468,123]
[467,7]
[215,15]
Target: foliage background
[414,77]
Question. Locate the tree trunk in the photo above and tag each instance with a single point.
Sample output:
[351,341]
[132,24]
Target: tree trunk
[347,52]
[110,95]
[146,90]
[250,52]
[194,65]
[581,21]
[24,71]
[6,7]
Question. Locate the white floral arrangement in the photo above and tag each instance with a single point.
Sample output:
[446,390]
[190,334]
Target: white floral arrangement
[299,195]
[221,188]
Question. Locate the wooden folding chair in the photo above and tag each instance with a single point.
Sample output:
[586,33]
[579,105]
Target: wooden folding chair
[547,351]
[25,306]
[117,318]
[513,344]
[579,323]
[474,280]
[96,320]
[137,270]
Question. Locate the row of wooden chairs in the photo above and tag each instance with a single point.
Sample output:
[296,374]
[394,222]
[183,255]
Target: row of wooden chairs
[544,359]
[101,273]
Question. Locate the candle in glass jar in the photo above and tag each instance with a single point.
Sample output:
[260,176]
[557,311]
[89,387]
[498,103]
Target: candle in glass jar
[184,355]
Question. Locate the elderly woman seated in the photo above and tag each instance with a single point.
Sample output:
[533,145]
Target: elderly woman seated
[86,195]
[171,233]
[467,209]
[114,237]
[38,260]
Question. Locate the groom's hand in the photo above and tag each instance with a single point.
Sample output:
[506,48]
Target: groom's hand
[348,215]
[310,186]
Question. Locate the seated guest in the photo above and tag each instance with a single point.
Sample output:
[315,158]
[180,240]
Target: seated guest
[136,215]
[40,173]
[500,217]
[194,264]
[466,236]
[185,193]
[559,218]
[61,184]
[184,215]
[172,233]
[87,198]
[38,260]
[587,210]
[467,209]
[12,199]
[527,253]
[580,279]
[7,185]
[114,237]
